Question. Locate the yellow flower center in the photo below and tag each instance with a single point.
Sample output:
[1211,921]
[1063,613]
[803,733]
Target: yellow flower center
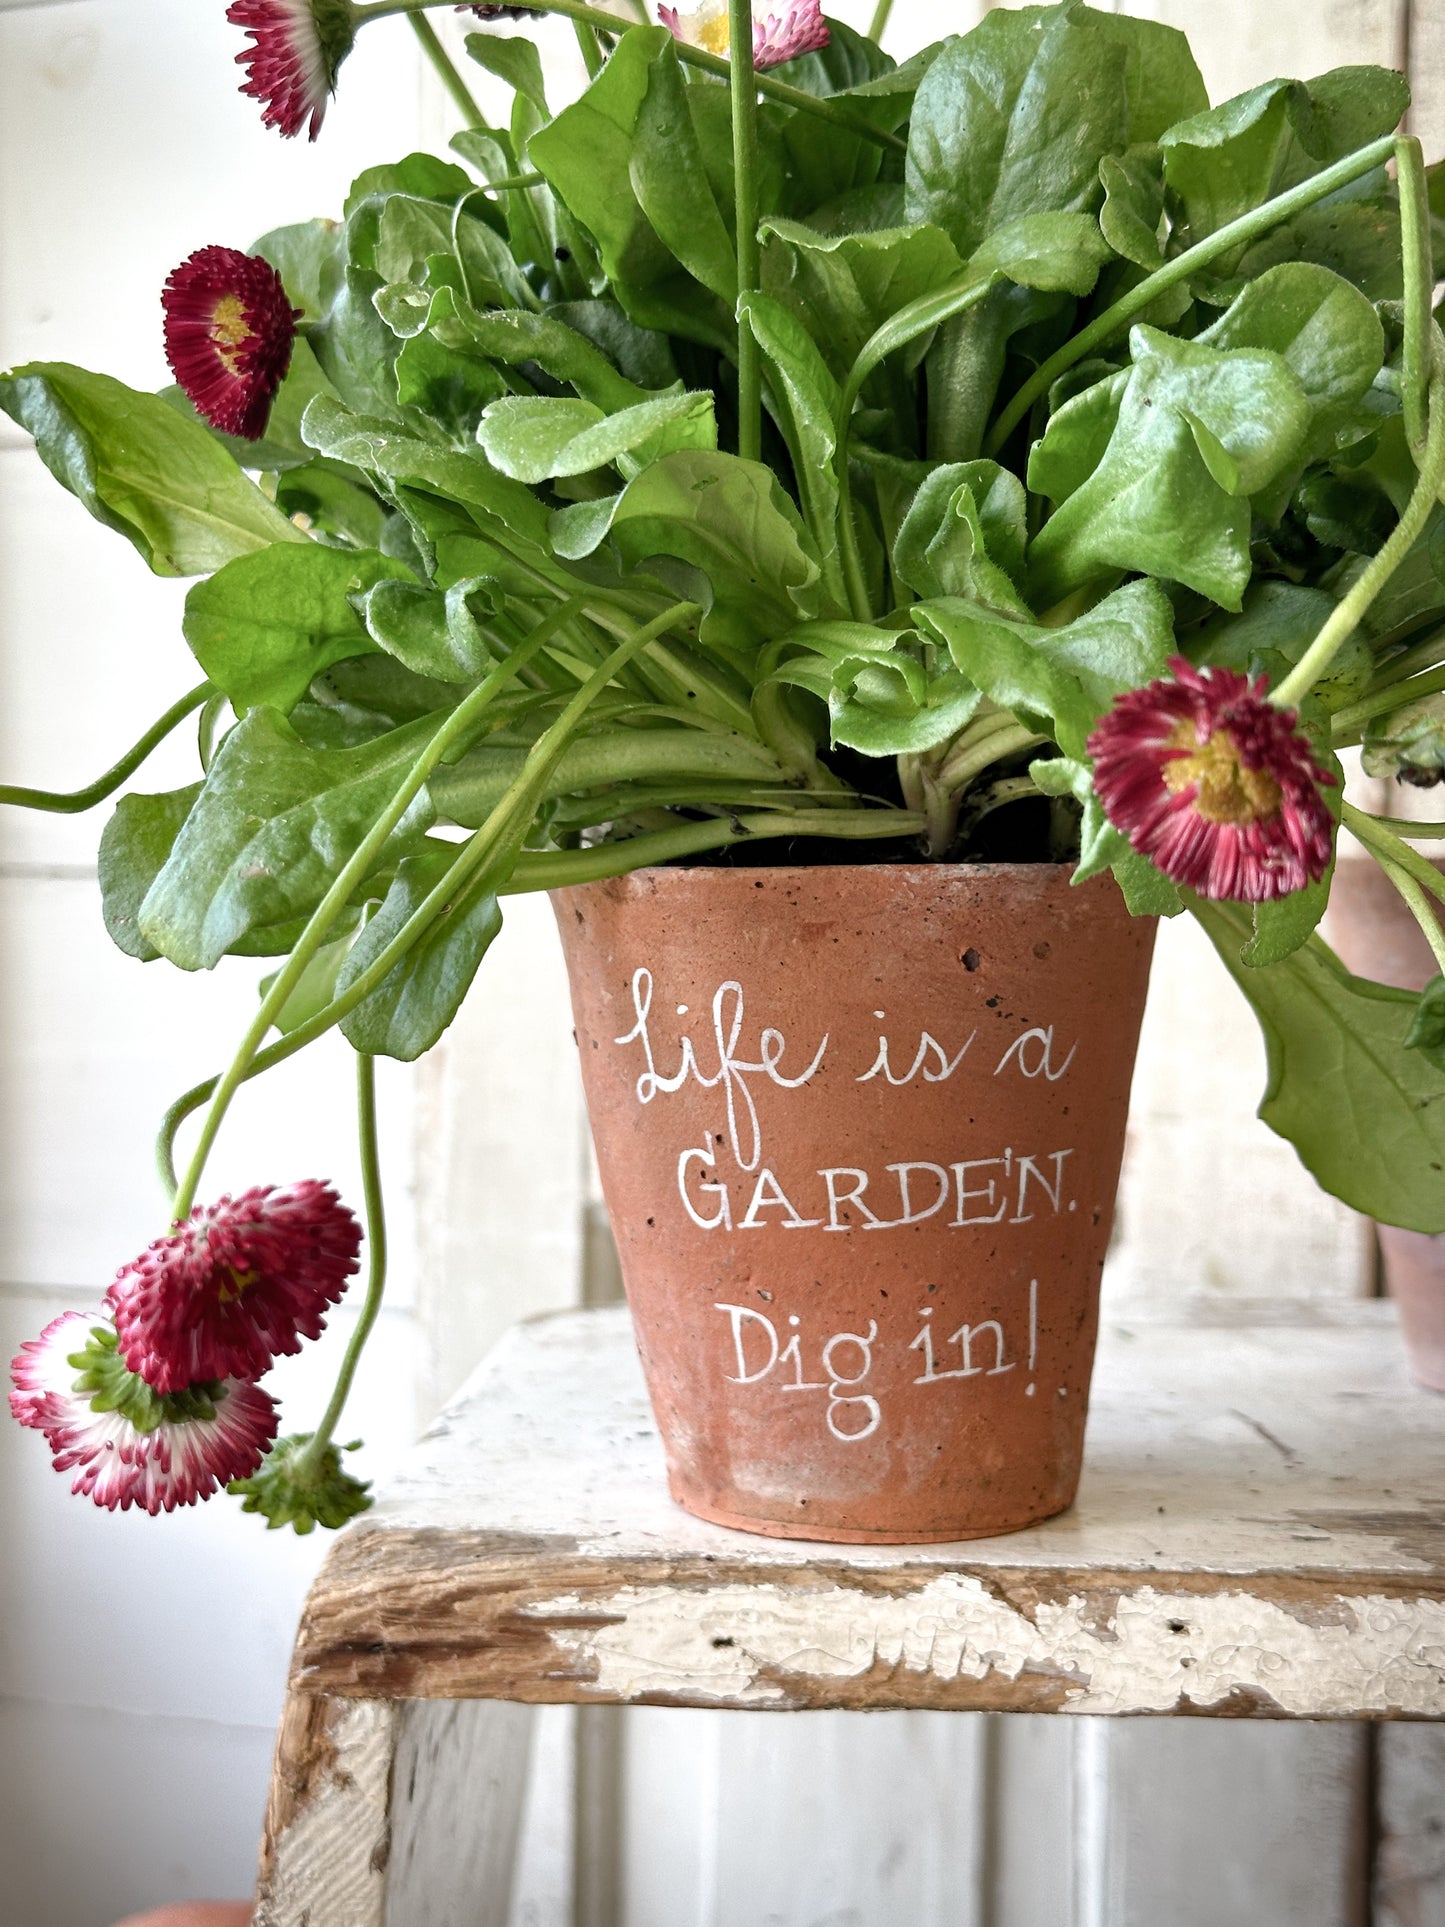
[230,331]
[1228,791]
[715,35]
[241,1283]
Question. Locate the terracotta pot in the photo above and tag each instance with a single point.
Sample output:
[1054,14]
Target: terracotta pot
[1376,936]
[859,1131]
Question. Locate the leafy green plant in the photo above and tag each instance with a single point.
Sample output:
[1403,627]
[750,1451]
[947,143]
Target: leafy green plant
[832,459]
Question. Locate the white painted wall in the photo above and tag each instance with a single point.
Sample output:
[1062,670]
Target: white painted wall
[141,1662]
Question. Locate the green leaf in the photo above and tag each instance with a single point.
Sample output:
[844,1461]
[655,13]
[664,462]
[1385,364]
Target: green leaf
[1365,1113]
[845,286]
[314,989]
[515,60]
[964,535]
[1058,681]
[1326,330]
[309,257]
[730,522]
[1132,216]
[419,174]
[264,625]
[515,336]
[1427,1027]
[435,635]
[1154,503]
[1229,159]
[670,179]
[419,996]
[412,233]
[536,437]
[271,831]
[805,400]
[1013,118]
[586,154]
[333,504]
[133,849]
[142,468]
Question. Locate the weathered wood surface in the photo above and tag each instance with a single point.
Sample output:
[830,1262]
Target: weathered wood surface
[1261,1531]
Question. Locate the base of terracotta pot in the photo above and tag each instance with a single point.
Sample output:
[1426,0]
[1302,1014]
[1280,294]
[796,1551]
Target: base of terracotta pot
[852,1536]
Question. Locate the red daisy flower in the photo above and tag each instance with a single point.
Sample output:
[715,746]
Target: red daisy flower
[1214,784]
[239,1283]
[229,330]
[296,48]
[797,28]
[126,1446]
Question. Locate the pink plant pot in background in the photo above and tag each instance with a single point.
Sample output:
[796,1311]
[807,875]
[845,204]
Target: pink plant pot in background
[1376,936]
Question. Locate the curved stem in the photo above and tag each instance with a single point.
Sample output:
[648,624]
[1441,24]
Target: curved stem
[777,90]
[1389,850]
[356,869]
[1418,905]
[1419,285]
[961,768]
[550,871]
[1232,235]
[441,60]
[878,25]
[73,802]
[590,48]
[1353,606]
[1347,724]
[1403,826]
[376,1257]
[744,89]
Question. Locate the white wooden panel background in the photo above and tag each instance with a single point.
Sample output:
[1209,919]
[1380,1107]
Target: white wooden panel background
[136,1696]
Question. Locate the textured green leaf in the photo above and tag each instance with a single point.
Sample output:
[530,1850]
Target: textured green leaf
[142,468]
[1366,1114]
[536,437]
[419,996]
[133,849]
[264,625]
[271,831]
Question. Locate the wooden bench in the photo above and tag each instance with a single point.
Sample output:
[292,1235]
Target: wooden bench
[1260,1533]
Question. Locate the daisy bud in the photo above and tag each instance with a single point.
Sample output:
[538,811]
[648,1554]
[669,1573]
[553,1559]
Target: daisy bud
[229,330]
[301,1488]
[126,1444]
[296,48]
[796,27]
[1214,784]
[241,1282]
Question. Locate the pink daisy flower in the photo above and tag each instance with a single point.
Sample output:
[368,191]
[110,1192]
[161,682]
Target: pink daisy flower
[228,331]
[239,1283]
[798,27]
[296,48]
[1214,784]
[126,1446]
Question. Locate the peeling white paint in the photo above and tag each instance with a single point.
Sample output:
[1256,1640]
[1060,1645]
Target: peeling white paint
[329,1866]
[717,1644]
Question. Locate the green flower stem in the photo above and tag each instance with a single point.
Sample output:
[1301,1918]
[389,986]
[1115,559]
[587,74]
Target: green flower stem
[777,90]
[311,1453]
[905,326]
[73,802]
[744,88]
[1415,369]
[437,54]
[452,734]
[1419,906]
[1391,852]
[878,25]
[589,46]
[1347,724]
[1402,826]
[1352,607]
[1234,234]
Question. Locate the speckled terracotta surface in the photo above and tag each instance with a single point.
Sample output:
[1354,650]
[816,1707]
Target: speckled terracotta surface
[860,1131]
